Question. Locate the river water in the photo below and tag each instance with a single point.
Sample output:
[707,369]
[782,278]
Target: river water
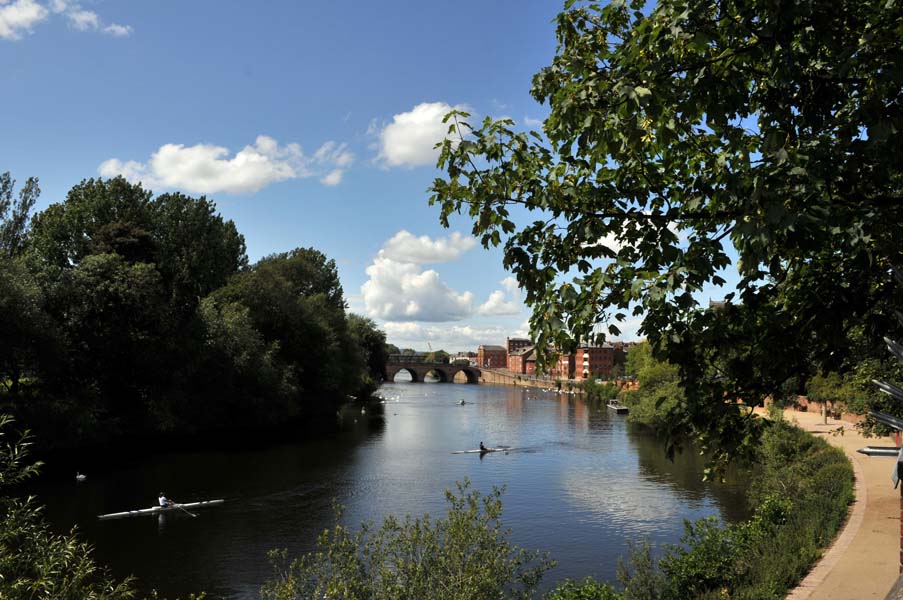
[581,484]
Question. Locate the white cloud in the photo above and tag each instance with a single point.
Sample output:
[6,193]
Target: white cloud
[405,247]
[83,20]
[208,169]
[332,178]
[398,291]
[452,338]
[529,122]
[118,30]
[410,139]
[507,302]
[18,17]
[87,20]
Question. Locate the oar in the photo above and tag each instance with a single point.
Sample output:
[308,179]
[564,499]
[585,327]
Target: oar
[185,510]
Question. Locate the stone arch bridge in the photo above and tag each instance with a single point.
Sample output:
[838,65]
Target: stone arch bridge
[419,369]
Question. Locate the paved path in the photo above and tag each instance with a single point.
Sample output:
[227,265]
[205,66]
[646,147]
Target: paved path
[864,560]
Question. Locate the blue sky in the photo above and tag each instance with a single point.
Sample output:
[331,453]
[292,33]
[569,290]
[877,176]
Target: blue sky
[309,124]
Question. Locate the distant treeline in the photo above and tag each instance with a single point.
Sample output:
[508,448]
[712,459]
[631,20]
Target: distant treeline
[122,313]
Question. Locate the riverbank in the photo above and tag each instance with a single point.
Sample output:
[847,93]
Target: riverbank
[863,561]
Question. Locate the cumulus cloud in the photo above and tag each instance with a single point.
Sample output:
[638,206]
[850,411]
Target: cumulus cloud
[398,291]
[406,247]
[410,139]
[18,17]
[401,289]
[208,169]
[503,302]
[529,122]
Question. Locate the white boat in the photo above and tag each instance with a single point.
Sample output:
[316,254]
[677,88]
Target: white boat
[615,405]
[160,509]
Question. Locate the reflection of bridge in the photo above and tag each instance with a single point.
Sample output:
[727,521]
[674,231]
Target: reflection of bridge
[419,369]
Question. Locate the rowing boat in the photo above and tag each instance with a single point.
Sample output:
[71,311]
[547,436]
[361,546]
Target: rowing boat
[159,509]
[484,450]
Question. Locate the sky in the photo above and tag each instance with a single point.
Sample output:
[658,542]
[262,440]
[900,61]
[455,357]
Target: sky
[310,124]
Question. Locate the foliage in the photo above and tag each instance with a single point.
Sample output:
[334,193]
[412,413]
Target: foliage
[372,344]
[25,331]
[466,555]
[134,314]
[801,494]
[638,574]
[660,393]
[605,390]
[586,589]
[14,213]
[438,356]
[837,391]
[198,250]
[675,132]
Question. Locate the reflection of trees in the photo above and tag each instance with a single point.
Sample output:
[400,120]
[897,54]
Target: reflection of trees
[684,474]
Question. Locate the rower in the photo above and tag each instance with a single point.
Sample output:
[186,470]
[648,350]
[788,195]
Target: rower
[164,501]
[483,448]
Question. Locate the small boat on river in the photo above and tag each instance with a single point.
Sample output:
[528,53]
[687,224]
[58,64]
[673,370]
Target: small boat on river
[615,405]
[154,510]
[485,450]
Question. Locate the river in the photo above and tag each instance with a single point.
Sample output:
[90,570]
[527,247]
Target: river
[582,483]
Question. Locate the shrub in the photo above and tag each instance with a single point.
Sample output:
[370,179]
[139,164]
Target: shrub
[585,589]
[466,555]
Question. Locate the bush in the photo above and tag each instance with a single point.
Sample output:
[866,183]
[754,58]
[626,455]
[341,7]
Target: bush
[466,555]
[586,589]
[800,496]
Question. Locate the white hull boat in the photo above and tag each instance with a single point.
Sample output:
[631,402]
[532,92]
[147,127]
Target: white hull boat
[160,509]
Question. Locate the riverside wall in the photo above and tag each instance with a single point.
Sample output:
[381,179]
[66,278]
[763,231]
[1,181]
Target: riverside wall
[500,377]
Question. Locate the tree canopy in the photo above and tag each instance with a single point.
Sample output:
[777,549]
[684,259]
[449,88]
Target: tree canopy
[134,314]
[685,139]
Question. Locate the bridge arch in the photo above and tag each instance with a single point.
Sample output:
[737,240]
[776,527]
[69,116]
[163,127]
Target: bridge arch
[419,370]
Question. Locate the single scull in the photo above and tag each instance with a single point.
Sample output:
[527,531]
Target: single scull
[160,509]
[485,450]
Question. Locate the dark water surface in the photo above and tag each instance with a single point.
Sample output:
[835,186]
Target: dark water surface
[582,485]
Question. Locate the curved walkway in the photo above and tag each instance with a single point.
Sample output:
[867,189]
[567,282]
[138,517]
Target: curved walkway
[863,562]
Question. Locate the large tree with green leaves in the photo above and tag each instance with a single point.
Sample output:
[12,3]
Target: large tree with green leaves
[678,134]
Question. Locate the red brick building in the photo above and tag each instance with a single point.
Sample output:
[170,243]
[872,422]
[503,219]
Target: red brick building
[515,344]
[593,362]
[564,368]
[523,361]
[492,357]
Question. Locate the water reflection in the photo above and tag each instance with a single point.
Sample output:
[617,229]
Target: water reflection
[580,484]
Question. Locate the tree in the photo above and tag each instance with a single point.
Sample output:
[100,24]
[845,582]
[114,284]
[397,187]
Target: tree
[295,298]
[14,213]
[675,133]
[25,330]
[94,216]
[438,356]
[198,250]
[372,343]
